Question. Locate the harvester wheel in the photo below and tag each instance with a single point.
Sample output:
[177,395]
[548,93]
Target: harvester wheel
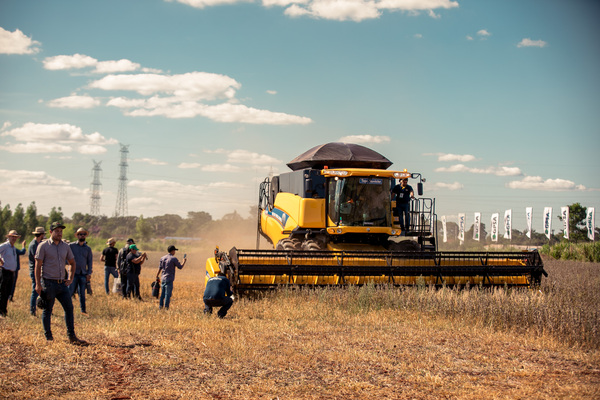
[286,244]
[405,245]
[311,245]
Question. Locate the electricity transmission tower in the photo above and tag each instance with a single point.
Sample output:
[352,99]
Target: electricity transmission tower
[96,185]
[121,208]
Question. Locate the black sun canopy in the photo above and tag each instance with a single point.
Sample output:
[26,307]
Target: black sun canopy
[339,155]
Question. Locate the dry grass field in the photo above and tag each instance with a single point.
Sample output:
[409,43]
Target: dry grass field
[357,343]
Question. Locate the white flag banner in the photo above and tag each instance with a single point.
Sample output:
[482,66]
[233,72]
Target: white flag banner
[445,237]
[548,221]
[508,224]
[564,214]
[494,232]
[590,223]
[462,220]
[477,226]
[528,215]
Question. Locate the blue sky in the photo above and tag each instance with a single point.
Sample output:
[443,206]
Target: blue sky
[495,103]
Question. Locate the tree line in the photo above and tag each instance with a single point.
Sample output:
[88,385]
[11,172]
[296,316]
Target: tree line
[24,221]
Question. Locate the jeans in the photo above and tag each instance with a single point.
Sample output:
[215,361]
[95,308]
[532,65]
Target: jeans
[165,294]
[79,283]
[133,285]
[404,216]
[34,294]
[225,305]
[14,285]
[108,271]
[6,282]
[60,291]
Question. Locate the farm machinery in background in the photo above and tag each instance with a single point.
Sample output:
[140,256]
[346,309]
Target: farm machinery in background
[331,222]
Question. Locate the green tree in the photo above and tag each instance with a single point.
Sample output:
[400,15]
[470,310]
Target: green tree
[5,216]
[31,218]
[143,229]
[17,221]
[55,215]
[577,228]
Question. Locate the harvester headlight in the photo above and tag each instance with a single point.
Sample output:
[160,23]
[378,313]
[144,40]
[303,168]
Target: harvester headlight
[393,231]
[399,175]
[339,230]
[335,173]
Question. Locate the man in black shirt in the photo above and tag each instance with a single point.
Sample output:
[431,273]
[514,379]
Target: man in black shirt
[404,193]
[109,256]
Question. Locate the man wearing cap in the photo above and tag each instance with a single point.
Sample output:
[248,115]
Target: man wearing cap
[83,270]
[168,264]
[218,294]
[54,279]
[134,268]
[109,256]
[9,262]
[122,266]
[39,234]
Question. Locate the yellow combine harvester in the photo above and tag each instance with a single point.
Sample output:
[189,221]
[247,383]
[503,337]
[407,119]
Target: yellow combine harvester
[331,222]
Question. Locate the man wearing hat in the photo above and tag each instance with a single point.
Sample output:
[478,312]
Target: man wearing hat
[39,234]
[83,270]
[54,279]
[9,262]
[168,264]
[134,268]
[122,265]
[109,256]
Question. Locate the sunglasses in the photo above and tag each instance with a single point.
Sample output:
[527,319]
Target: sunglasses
[81,234]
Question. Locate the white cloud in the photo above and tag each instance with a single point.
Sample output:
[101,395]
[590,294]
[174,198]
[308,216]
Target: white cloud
[123,65]
[483,33]
[418,36]
[340,10]
[80,61]
[230,185]
[538,183]
[365,139]
[448,186]
[499,171]
[452,157]
[222,168]
[142,202]
[65,133]
[6,125]
[17,43]
[152,161]
[168,189]
[76,61]
[189,165]
[55,138]
[29,178]
[74,101]
[192,85]
[247,157]
[469,37]
[527,42]
[36,147]
[272,91]
[91,149]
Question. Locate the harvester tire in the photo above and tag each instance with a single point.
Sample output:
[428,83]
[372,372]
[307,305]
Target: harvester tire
[286,244]
[311,245]
[406,245]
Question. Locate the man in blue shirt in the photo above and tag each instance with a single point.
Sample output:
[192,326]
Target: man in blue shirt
[215,293]
[9,262]
[83,267]
[168,265]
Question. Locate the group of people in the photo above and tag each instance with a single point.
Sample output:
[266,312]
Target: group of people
[59,269]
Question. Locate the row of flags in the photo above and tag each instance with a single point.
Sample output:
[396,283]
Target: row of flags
[495,224]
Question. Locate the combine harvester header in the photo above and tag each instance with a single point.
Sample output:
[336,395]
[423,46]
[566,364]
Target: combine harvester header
[331,222]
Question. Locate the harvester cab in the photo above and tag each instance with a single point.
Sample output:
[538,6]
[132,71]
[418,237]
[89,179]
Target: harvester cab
[331,221]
